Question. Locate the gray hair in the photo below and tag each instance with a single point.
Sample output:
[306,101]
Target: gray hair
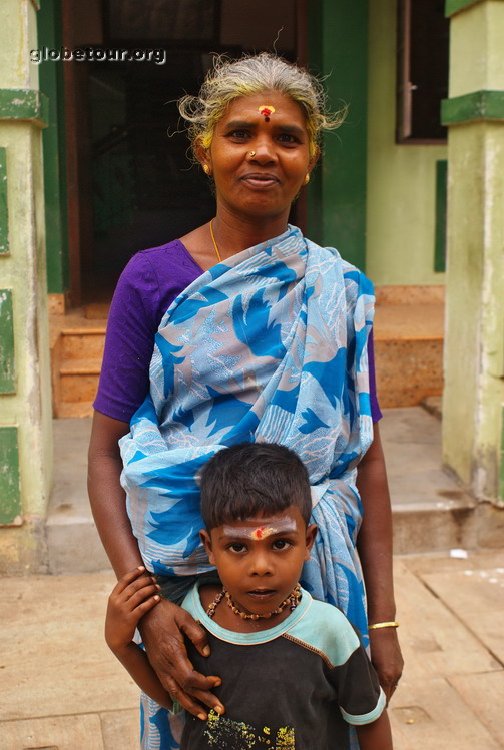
[230,79]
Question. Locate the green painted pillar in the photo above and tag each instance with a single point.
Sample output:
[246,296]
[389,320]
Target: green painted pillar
[338,48]
[474,346]
[25,394]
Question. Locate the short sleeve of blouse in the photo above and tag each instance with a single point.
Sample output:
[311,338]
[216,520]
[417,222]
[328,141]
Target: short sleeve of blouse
[131,325]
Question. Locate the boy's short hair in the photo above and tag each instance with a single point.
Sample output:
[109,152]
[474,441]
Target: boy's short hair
[253,479]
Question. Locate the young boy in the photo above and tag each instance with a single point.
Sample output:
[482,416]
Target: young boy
[294,673]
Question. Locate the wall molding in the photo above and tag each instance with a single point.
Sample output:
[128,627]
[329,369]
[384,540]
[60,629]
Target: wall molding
[441,221]
[501,467]
[455,6]
[7,360]
[10,505]
[478,105]
[24,104]
[4,206]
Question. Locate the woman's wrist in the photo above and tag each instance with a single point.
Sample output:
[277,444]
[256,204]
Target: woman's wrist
[384,625]
[382,614]
[149,623]
[381,606]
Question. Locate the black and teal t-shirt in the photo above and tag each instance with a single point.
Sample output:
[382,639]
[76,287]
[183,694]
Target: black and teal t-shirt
[295,686]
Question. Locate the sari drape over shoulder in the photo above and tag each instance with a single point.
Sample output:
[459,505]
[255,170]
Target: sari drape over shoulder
[270,345]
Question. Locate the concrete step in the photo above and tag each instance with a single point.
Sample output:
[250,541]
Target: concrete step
[408,344]
[431,511]
[78,383]
[409,331]
[82,343]
[73,543]
[75,410]
[81,366]
[77,341]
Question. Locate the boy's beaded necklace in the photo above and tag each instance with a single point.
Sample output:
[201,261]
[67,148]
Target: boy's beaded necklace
[292,600]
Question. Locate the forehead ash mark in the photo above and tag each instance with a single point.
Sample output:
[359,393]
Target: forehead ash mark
[262,531]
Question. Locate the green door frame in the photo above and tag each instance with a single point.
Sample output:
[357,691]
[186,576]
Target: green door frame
[338,48]
[51,83]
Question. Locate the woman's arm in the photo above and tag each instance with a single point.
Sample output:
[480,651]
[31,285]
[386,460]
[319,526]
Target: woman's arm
[107,498]
[375,549]
[163,627]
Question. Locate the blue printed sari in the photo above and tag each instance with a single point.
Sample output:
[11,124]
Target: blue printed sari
[270,345]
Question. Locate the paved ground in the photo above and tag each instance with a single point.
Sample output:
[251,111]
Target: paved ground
[60,689]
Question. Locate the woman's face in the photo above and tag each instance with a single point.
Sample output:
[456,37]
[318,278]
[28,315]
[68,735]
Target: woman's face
[265,183]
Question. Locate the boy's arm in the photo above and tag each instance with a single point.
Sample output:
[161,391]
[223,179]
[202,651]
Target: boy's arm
[135,661]
[377,735]
[134,595]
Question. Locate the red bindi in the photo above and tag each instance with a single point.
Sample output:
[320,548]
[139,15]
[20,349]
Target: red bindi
[266,110]
[260,532]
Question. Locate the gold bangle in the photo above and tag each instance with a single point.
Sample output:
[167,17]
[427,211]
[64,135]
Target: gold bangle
[379,625]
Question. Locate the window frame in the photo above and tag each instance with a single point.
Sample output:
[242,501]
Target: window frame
[404,86]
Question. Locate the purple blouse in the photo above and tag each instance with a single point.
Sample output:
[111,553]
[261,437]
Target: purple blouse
[149,283]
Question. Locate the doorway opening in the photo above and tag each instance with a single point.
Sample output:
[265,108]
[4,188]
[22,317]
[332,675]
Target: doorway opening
[132,185]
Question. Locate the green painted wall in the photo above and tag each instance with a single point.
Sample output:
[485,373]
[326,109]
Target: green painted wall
[338,47]
[474,342]
[25,404]
[401,183]
[24,273]
[477,25]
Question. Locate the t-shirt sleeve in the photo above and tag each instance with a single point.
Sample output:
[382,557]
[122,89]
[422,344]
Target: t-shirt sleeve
[360,696]
[129,341]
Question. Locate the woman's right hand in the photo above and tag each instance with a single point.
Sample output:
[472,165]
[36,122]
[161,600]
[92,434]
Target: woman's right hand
[163,630]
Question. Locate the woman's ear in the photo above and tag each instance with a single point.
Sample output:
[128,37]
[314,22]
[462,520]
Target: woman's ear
[204,158]
[207,544]
[311,533]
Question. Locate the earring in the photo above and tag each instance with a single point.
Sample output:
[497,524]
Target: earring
[251,154]
[306,179]
[206,169]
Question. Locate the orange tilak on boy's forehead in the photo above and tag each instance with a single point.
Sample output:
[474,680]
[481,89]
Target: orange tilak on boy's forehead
[261,531]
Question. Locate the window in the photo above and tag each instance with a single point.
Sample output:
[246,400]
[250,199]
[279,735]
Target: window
[422,70]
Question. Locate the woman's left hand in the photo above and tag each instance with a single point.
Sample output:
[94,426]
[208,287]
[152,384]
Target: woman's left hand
[387,658]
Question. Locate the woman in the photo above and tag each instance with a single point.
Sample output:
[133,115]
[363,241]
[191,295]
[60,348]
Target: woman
[261,335]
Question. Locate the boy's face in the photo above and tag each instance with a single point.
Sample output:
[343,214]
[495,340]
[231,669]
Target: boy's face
[260,560]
